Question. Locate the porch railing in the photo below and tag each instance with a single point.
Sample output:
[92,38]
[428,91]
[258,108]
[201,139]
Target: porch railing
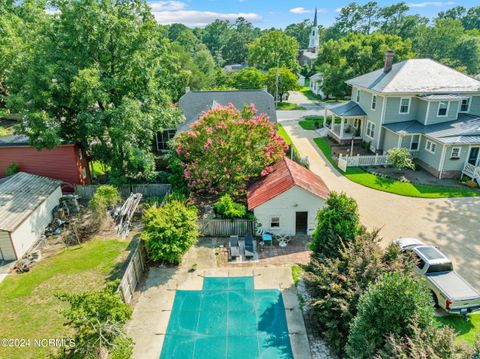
[471,171]
[361,161]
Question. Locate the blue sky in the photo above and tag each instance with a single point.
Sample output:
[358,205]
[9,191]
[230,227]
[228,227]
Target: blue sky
[275,13]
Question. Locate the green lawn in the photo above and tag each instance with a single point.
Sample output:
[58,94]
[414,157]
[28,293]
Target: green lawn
[311,123]
[288,106]
[466,331]
[364,178]
[310,95]
[28,307]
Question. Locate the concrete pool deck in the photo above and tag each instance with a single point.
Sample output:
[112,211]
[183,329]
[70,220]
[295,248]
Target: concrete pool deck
[152,311]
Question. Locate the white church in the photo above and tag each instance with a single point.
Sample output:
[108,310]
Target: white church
[308,56]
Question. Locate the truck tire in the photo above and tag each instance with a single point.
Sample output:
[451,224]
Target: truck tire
[435,299]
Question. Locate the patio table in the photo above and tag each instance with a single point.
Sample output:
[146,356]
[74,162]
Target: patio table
[267,237]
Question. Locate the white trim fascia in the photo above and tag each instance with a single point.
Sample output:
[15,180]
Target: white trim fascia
[400,105]
[382,118]
[428,112]
[448,108]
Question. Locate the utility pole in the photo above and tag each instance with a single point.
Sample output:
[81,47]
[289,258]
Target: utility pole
[276,82]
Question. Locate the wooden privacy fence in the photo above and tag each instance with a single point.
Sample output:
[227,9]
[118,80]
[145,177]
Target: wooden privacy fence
[226,227]
[133,274]
[361,161]
[147,190]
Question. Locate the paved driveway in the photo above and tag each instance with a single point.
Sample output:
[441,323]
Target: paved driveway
[452,224]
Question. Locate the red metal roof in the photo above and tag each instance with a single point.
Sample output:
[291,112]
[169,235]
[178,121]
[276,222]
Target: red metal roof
[286,174]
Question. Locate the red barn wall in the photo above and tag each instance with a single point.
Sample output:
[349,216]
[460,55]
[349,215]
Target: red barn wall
[63,162]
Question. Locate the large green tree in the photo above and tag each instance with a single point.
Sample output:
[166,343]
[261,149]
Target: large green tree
[274,49]
[287,81]
[101,76]
[354,55]
[249,78]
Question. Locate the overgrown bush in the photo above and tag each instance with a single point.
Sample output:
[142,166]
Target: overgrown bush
[338,222]
[335,284]
[170,231]
[400,158]
[98,318]
[387,308]
[227,208]
[12,169]
[105,197]
[431,342]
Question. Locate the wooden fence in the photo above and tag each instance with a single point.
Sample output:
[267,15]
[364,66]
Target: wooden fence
[147,190]
[361,161]
[133,273]
[226,227]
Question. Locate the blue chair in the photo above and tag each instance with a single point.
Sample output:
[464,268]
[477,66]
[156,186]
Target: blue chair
[249,249]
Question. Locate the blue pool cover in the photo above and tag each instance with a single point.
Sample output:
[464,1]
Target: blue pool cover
[227,319]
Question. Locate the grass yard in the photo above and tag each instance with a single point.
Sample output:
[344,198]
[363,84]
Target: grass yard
[466,331]
[364,178]
[309,94]
[282,133]
[28,307]
[288,106]
[311,123]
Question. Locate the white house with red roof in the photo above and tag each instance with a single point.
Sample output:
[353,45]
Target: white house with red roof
[287,200]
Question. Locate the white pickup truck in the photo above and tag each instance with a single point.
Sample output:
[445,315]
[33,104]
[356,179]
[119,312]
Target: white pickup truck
[449,290]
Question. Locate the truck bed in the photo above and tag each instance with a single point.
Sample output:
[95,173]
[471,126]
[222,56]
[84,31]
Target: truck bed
[453,285]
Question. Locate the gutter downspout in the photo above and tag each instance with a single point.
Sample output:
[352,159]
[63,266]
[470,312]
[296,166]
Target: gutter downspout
[442,161]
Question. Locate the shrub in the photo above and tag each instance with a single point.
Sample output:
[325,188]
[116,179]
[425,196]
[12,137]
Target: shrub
[471,184]
[400,158]
[224,149]
[105,197]
[12,169]
[335,284]
[170,231]
[431,342]
[98,318]
[338,222]
[387,308]
[227,208]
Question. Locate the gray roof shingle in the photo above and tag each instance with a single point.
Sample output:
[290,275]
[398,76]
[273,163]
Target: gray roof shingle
[417,76]
[194,103]
[347,109]
[464,131]
[20,195]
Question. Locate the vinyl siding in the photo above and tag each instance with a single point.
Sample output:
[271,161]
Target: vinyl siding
[390,140]
[374,116]
[422,107]
[454,164]
[6,247]
[475,105]
[32,228]
[433,113]
[284,206]
[393,107]
[431,159]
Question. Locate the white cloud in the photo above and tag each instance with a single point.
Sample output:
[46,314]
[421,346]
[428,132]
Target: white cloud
[299,10]
[167,5]
[431,3]
[338,9]
[199,18]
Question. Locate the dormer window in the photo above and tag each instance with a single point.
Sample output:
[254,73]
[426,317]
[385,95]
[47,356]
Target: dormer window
[442,109]
[465,105]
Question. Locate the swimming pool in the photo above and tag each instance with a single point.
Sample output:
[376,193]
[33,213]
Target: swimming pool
[228,318]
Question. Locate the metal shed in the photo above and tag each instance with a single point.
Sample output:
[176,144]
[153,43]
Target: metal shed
[26,204]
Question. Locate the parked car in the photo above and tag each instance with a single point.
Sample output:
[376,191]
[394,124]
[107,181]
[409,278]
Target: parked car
[449,290]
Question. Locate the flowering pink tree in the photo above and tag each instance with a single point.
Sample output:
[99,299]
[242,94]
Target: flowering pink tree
[226,147]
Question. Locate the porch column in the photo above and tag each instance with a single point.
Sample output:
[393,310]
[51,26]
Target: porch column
[325,117]
[342,125]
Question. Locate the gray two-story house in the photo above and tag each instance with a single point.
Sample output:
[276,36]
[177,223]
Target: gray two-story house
[420,104]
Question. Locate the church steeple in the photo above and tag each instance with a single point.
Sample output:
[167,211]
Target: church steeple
[314,41]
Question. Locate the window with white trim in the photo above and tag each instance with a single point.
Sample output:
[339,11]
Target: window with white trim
[430,146]
[442,109]
[415,143]
[358,96]
[275,222]
[465,105]
[163,137]
[370,129]
[456,152]
[404,105]
[374,102]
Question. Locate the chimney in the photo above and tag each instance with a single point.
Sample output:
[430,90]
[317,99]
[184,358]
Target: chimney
[387,67]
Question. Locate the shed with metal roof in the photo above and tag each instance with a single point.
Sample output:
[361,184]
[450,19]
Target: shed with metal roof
[26,205]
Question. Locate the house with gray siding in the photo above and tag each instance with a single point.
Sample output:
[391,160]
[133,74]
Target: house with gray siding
[420,104]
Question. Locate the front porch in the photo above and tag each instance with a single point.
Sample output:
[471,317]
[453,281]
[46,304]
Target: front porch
[471,171]
[347,122]
[346,133]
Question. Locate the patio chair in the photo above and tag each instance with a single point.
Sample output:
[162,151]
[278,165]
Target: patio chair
[249,250]
[233,247]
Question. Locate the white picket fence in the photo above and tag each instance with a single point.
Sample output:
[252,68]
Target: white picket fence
[361,161]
